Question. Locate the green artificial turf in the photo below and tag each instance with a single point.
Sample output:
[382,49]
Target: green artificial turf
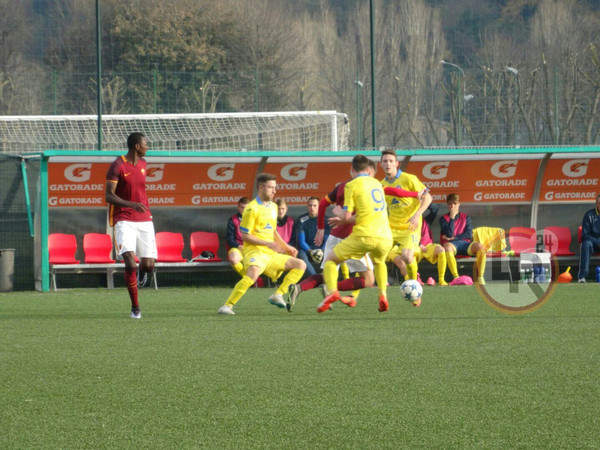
[77,372]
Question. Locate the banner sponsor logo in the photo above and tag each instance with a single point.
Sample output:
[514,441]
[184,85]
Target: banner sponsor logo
[154,172]
[504,169]
[221,172]
[436,170]
[575,167]
[294,172]
[78,173]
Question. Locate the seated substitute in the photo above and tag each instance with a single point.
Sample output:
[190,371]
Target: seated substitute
[306,230]
[590,239]
[234,238]
[456,236]
[285,224]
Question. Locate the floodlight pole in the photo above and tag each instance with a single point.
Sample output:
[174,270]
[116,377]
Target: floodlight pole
[459,100]
[99,72]
[373,119]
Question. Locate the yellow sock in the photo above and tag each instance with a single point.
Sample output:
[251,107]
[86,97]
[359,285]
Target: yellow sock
[344,271]
[411,269]
[239,268]
[441,265]
[481,260]
[292,277]
[239,290]
[451,260]
[330,275]
[381,275]
[356,292]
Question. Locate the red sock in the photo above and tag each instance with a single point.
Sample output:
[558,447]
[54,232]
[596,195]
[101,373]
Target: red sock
[312,282]
[131,283]
[351,284]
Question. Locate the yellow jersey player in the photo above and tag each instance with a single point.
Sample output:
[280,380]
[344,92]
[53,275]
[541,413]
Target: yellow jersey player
[405,214]
[264,250]
[363,196]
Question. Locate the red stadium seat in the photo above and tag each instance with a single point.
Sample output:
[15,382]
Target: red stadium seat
[557,241]
[97,248]
[62,248]
[202,241]
[522,240]
[169,247]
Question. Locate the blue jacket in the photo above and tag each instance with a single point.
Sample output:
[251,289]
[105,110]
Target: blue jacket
[590,225]
[307,230]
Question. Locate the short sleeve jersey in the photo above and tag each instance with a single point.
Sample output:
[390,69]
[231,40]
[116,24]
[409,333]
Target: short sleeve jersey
[401,209]
[259,220]
[131,186]
[364,196]
[337,196]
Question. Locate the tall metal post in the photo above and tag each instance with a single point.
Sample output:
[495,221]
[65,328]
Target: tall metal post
[555,106]
[459,100]
[99,72]
[373,119]
[359,86]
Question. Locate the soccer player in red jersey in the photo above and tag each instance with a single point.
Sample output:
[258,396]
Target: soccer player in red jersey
[129,214]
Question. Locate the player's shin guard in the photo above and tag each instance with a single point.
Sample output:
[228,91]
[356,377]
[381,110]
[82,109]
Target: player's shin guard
[344,271]
[292,277]
[441,266]
[330,274]
[411,269]
[239,268]
[239,290]
[132,288]
[451,260]
[381,276]
[481,260]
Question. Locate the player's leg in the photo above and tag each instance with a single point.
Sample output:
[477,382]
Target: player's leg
[295,268]
[125,234]
[255,263]
[408,256]
[439,256]
[378,254]
[235,257]
[451,259]
[478,250]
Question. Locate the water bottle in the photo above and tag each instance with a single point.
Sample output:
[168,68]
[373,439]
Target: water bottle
[597,274]
[538,273]
[547,274]
[522,276]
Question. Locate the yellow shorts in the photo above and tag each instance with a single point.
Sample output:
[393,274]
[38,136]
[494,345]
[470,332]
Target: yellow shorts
[235,251]
[270,263]
[429,254]
[410,241]
[355,247]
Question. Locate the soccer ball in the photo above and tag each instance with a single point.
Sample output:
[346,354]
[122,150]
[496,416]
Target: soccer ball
[411,290]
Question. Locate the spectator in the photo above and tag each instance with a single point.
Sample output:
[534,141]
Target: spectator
[285,224]
[590,239]
[456,236]
[307,225]
[234,238]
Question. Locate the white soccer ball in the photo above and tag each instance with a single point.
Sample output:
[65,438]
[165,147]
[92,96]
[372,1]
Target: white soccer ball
[411,290]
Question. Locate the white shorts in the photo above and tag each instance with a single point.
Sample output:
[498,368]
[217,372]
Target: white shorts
[137,237]
[354,265]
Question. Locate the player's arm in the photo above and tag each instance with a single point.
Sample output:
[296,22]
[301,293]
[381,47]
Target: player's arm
[111,197]
[230,235]
[446,229]
[288,249]
[319,236]
[399,192]
[413,222]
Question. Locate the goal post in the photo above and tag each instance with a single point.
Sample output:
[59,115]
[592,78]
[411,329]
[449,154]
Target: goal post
[280,131]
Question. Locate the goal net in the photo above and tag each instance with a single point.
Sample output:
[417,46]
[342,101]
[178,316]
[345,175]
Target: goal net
[293,131]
